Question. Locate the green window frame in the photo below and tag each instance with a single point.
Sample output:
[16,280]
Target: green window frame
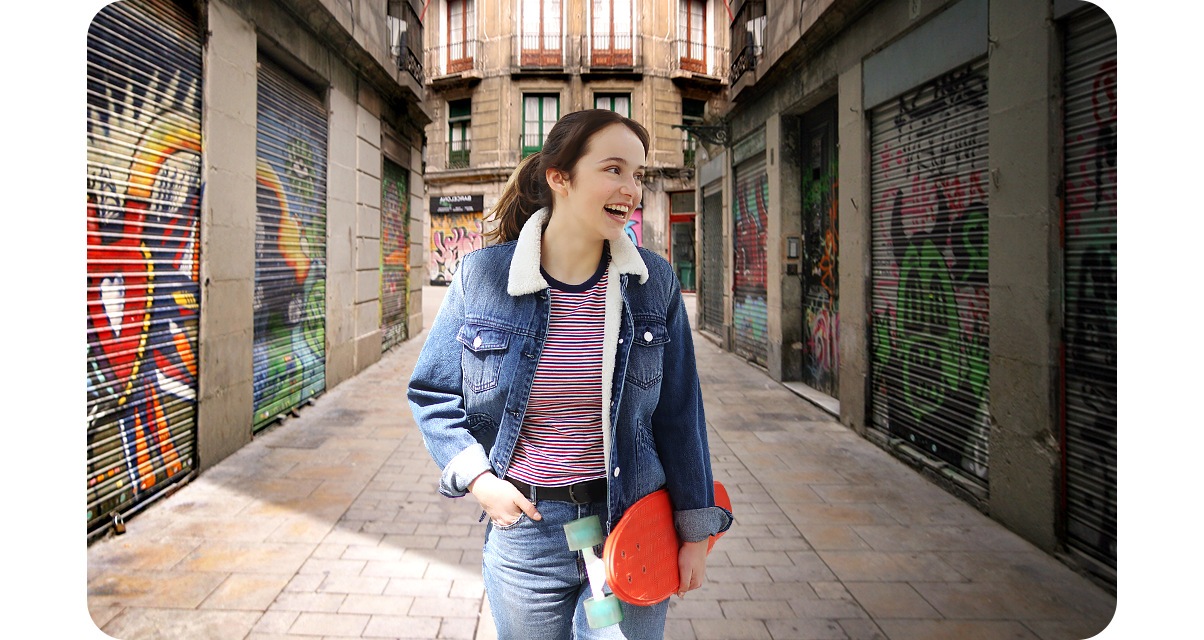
[459,133]
[617,102]
[540,112]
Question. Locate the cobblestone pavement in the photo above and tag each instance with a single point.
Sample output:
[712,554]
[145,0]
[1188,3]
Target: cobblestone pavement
[329,526]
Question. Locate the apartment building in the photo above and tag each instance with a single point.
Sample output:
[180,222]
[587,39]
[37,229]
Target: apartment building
[499,75]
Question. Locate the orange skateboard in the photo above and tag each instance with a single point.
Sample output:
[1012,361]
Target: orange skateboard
[639,559]
[641,551]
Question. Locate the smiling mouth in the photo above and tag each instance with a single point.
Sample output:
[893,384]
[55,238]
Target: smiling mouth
[619,211]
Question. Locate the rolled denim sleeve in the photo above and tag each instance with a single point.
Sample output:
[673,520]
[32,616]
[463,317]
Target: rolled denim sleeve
[436,397]
[694,525]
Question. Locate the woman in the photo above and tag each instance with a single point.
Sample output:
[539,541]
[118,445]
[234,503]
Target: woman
[558,381]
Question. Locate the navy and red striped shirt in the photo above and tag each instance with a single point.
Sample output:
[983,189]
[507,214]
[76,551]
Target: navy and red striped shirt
[561,438]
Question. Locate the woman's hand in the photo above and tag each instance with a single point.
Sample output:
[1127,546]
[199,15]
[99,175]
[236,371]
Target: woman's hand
[501,500]
[692,561]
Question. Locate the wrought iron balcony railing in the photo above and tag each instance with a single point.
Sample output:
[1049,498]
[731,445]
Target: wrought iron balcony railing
[545,51]
[696,57]
[610,51]
[456,57]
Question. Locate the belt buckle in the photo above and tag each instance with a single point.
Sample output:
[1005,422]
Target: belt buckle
[573,496]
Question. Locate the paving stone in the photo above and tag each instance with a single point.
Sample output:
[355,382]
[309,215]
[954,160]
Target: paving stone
[331,526]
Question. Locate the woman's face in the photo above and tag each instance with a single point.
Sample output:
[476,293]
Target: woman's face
[607,183]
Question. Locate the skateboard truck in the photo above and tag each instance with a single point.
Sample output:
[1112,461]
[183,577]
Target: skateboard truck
[583,534]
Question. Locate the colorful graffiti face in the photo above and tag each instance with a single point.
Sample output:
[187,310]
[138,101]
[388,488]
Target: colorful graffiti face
[930,271]
[453,236]
[289,303]
[144,188]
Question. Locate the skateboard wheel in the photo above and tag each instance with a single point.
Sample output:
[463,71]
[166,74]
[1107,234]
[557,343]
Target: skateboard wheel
[603,613]
[584,533]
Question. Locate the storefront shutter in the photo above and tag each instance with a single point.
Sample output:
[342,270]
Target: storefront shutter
[394,254]
[711,274]
[750,317]
[930,306]
[1090,286]
[144,185]
[290,246]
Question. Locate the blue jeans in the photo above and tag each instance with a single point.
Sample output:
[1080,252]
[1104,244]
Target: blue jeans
[537,587]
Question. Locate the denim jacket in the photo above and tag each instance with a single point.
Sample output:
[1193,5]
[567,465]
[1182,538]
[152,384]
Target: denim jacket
[471,384]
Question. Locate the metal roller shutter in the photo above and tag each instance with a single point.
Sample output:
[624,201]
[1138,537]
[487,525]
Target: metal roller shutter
[750,313]
[930,349]
[394,254]
[711,274]
[289,350]
[1090,286]
[144,185]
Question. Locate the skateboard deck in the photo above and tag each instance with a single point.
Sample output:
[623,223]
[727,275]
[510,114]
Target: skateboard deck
[641,551]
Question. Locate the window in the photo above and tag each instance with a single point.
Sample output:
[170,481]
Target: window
[692,32]
[611,33]
[691,113]
[459,127]
[540,112]
[617,102]
[461,35]
[540,39]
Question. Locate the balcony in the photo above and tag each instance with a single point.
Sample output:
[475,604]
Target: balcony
[747,38]
[405,32]
[538,53]
[698,65]
[458,154]
[454,65]
[606,52]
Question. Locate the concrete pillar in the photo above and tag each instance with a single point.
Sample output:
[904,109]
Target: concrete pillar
[855,241]
[1025,280]
[227,268]
[342,189]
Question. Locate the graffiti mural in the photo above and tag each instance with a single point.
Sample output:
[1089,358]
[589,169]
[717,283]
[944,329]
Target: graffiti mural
[930,297]
[453,236]
[289,302]
[394,254]
[821,327]
[1091,293]
[750,313]
[143,294]
[635,227]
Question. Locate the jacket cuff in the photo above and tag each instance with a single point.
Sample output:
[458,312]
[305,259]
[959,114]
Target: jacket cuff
[694,525]
[463,469]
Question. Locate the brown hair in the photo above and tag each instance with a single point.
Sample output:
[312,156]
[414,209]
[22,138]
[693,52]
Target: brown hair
[527,189]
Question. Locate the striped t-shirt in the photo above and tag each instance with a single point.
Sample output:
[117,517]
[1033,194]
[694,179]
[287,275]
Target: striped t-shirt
[561,438]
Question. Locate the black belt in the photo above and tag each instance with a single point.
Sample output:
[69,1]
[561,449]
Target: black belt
[580,493]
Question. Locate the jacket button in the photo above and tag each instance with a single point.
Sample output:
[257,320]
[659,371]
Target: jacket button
[647,336]
[476,343]
[620,341]
[616,472]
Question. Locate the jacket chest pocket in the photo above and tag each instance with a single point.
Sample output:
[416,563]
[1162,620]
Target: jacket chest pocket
[645,364]
[481,358]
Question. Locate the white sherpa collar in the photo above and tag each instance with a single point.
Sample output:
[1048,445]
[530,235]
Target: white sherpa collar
[524,267]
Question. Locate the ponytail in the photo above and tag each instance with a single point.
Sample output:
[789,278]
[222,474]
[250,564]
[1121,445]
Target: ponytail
[525,193]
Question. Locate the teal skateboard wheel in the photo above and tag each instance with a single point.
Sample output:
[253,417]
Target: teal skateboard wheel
[584,533]
[603,613]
